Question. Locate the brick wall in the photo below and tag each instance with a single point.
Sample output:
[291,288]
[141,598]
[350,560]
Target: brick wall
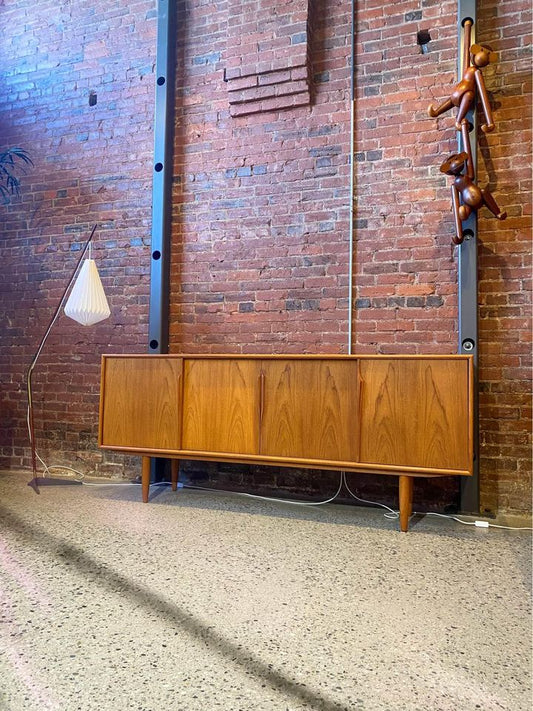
[260,256]
[92,164]
[504,163]
[260,244]
[406,269]
[261,200]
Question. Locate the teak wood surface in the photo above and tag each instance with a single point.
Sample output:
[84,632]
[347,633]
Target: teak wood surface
[404,415]
[143,403]
[221,406]
[310,410]
[414,413]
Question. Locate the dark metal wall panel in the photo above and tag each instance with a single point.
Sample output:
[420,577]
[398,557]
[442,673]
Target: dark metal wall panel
[162,190]
[162,177]
[468,277]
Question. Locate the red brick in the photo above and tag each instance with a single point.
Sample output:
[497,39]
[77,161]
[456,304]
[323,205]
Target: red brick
[279,233]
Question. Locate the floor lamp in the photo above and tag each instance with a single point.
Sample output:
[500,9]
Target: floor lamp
[87,304]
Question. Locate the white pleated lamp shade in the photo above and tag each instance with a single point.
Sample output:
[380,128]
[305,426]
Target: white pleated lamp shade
[87,303]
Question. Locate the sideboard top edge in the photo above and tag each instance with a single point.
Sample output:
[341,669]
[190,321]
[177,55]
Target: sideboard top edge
[295,356]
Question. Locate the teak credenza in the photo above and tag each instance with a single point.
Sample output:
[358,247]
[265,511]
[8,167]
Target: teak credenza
[409,416]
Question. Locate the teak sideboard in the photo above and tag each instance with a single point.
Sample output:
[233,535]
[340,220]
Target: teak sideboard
[409,416]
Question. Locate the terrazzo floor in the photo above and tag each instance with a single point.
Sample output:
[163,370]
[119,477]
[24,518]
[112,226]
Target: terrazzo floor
[201,601]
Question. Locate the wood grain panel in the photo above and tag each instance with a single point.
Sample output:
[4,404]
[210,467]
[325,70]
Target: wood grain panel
[221,405]
[140,405]
[416,413]
[310,409]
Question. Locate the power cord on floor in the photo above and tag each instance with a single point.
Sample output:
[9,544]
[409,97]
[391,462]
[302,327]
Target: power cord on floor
[80,476]
[270,498]
[477,523]
[48,468]
[396,514]
[391,514]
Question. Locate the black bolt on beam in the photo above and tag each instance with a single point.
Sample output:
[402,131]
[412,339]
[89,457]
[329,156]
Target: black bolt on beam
[467,275]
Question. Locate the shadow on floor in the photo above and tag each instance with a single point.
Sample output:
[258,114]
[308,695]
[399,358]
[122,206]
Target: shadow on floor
[117,583]
[339,513]
[50,481]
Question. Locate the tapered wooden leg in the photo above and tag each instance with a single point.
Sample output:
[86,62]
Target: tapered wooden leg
[406,501]
[146,478]
[174,471]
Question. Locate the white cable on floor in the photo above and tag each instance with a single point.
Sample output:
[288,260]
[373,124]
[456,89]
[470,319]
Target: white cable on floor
[392,514]
[395,514]
[47,468]
[269,498]
[478,524]
[511,528]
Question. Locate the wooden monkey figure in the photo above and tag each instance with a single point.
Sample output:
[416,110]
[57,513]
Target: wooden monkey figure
[463,94]
[466,195]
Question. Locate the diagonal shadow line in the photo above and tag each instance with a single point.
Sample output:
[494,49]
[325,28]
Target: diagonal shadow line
[140,594]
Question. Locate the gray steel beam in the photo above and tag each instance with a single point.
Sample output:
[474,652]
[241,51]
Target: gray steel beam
[162,188]
[467,277]
[162,177]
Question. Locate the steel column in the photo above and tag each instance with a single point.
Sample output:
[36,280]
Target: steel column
[162,178]
[467,276]
[162,187]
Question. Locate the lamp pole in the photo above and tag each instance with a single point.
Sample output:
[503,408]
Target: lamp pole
[30,419]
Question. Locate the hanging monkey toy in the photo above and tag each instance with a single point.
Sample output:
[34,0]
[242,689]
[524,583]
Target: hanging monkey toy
[467,197]
[463,94]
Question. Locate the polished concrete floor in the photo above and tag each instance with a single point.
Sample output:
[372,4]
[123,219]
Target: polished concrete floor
[201,601]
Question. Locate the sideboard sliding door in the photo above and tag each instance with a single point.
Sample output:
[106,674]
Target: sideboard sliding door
[415,413]
[140,402]
[310,409]
[221,405]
